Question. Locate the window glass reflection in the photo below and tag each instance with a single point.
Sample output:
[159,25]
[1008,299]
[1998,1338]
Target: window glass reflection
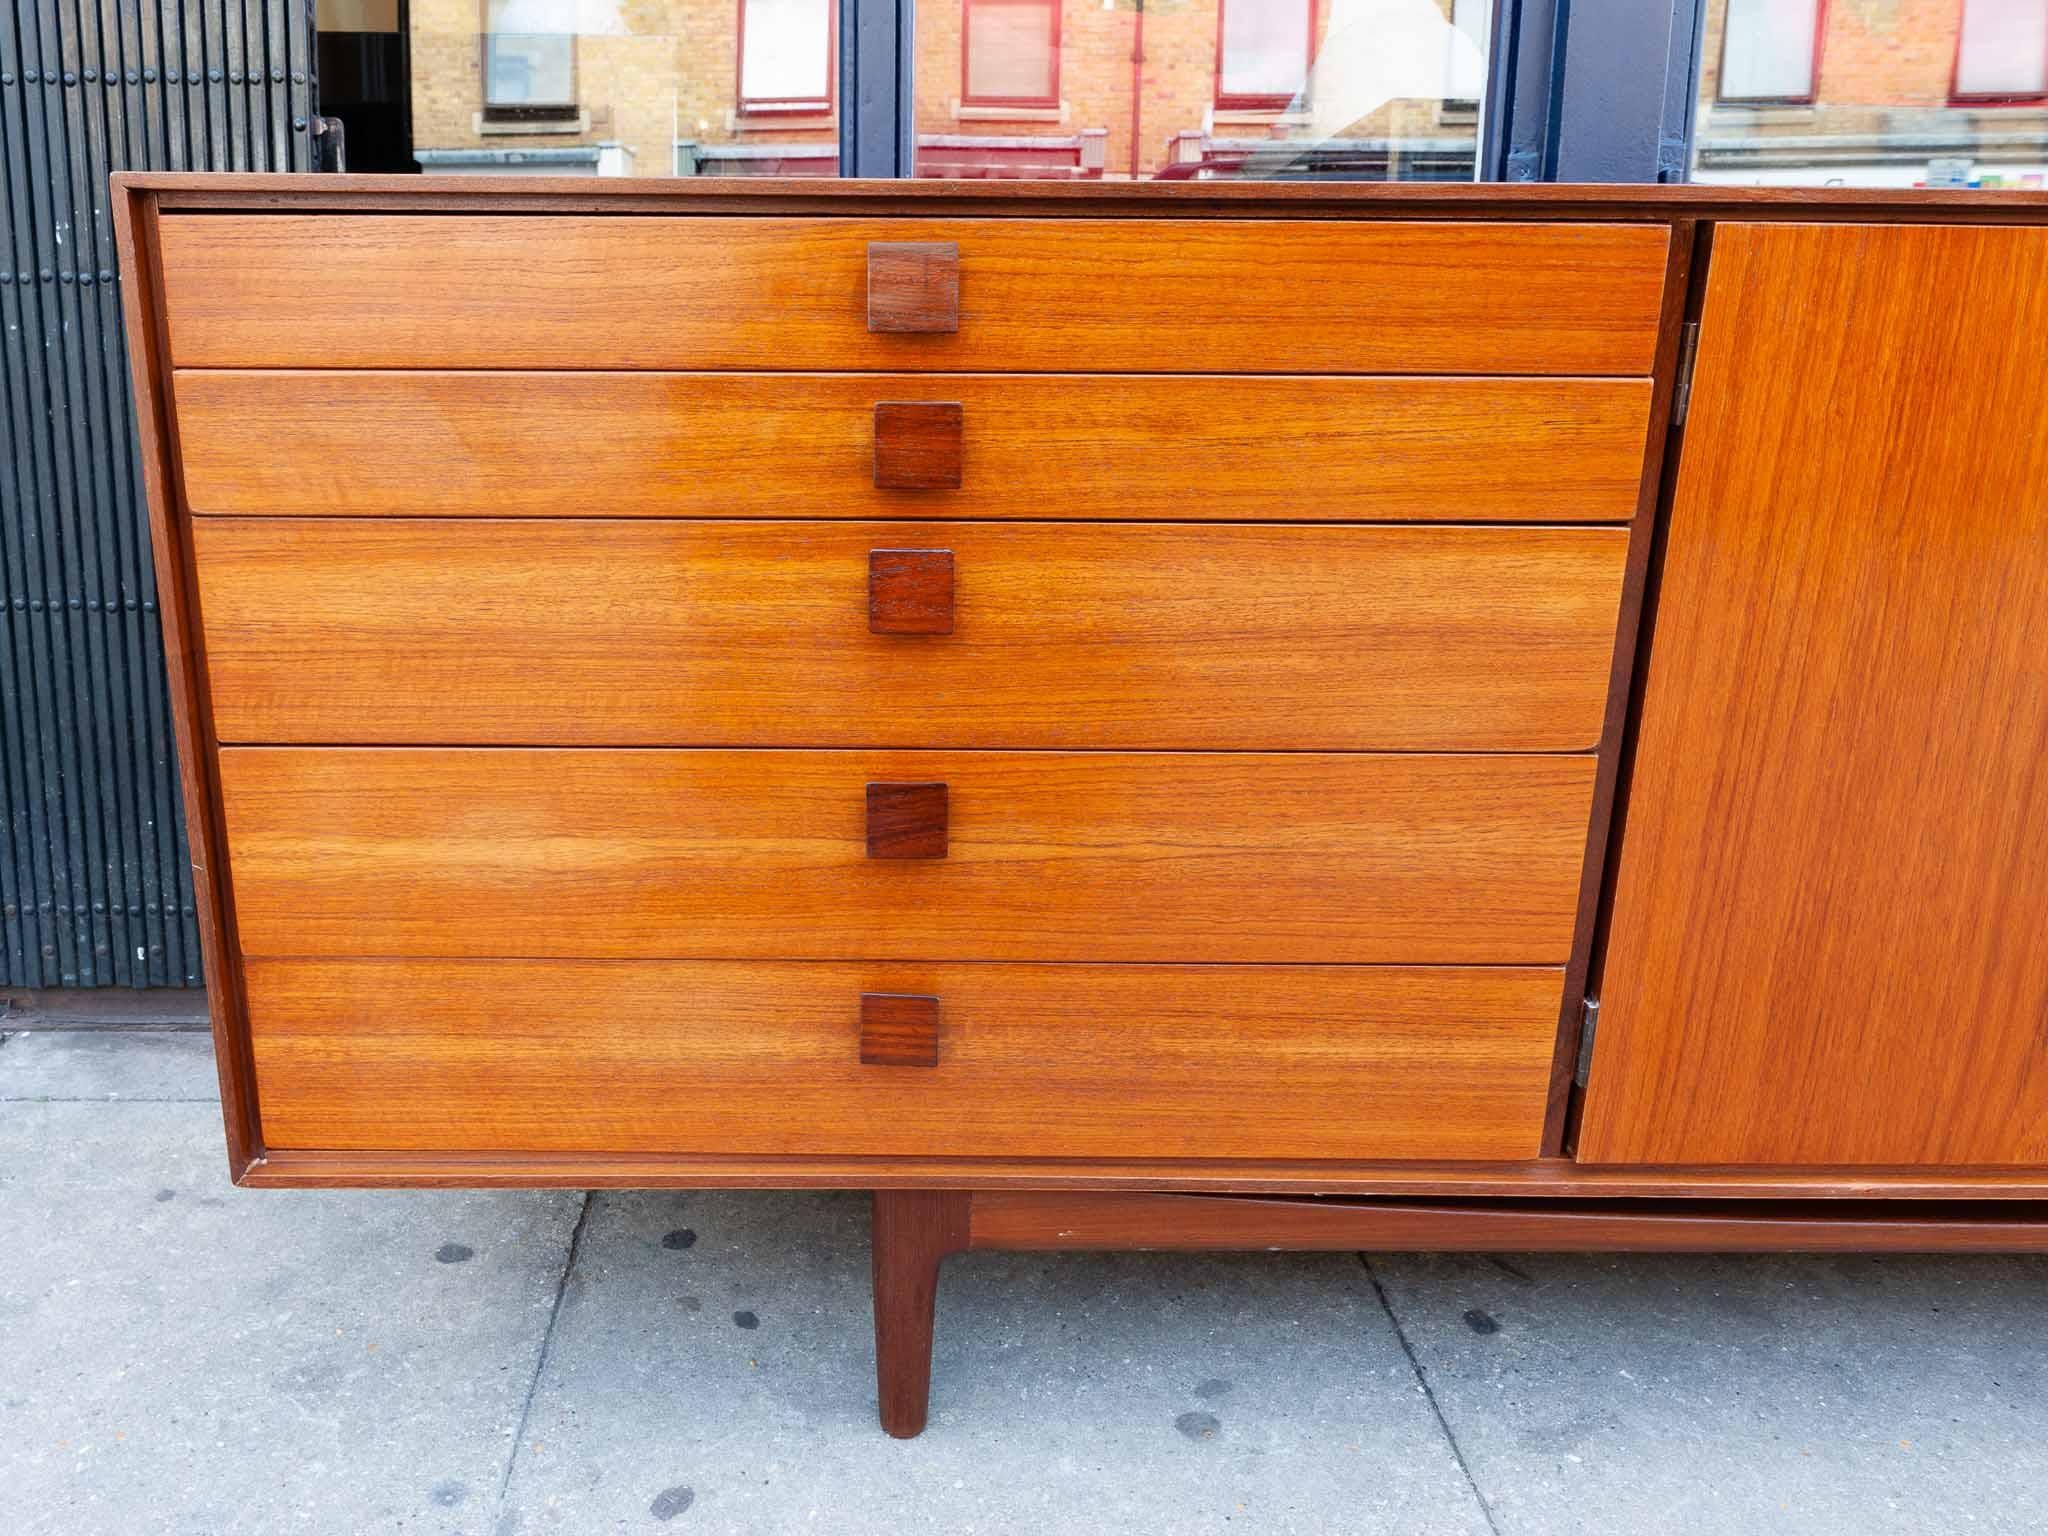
[1874,93]
[1199,89]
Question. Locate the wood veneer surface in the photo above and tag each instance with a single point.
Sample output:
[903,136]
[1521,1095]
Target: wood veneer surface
[1041,295]
[1296,857]
[1826,943]
[688,634]
[1130,447]
[764,1058]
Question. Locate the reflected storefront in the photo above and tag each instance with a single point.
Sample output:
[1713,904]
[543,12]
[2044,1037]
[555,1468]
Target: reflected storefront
[1040,89]
[1873,93]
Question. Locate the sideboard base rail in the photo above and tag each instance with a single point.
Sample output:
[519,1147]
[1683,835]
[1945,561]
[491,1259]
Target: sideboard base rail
[916,1230]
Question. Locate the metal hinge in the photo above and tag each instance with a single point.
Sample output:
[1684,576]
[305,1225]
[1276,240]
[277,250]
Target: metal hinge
[1688,353]
[1589,1026]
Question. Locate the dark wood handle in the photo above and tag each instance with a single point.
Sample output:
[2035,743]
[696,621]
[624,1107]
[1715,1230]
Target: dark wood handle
[913,285]
[906,821]
[917,445]
[910,591]
[899,1029]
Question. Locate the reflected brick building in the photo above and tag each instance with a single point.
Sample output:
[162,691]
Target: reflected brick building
[1061,89]
[1874,92]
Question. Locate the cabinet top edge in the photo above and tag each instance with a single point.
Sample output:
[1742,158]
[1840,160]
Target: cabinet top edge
[230,191]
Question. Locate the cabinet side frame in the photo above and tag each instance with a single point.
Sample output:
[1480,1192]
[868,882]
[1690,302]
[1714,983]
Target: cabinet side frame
[1680,271]
[142,312]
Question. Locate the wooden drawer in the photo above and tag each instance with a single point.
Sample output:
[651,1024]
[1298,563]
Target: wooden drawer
[1129,447]
[699,634]
[460,290]
[753,1058]
[1299,857]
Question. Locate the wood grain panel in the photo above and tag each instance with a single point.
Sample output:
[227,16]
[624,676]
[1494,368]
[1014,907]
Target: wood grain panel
[1046,1220]
[758,445]
[1055,1061]
[1298,857]
[1827,928]
[689,634]
[1254,296]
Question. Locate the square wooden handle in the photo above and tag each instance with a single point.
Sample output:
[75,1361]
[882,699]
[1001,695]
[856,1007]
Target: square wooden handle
[910,591]
[907,821]
[899,1029]
[913,286]
[918,444]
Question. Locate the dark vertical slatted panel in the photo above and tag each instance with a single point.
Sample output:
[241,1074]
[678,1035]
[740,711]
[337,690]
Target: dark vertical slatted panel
[95,888]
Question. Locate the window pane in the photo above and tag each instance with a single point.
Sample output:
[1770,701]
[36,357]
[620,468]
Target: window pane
[788,50]
[1009,51]
[1265,49]
[586,87]
[528,68]
[2004,49]
[1768,50]
[1897,99]
[1201,89]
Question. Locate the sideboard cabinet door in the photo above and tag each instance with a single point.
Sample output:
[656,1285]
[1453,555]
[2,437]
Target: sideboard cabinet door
[1829,940]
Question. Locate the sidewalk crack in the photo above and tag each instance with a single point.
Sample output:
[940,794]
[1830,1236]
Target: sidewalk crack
[540,1364]
[1429,1394]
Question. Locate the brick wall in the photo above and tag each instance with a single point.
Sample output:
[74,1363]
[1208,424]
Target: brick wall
[1873,52]
[1881,114]
[674,70]
[670,71]
[1177,81]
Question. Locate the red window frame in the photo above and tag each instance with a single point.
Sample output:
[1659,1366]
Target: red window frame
[1820,33]
[788,106]
[1957,94]
[1244,103]
[968,98]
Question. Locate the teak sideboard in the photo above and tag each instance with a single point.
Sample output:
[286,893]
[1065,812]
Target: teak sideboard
[1317,716]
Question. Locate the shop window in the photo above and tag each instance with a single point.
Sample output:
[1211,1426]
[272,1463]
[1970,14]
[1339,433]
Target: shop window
[1010,53]
[786,62]
[529,61]
[1770,50]
[2002,51]
[1263,49]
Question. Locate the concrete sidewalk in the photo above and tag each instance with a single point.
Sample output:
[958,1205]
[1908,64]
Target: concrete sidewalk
[180,1356]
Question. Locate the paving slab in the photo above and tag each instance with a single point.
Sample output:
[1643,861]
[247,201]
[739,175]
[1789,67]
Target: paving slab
[711,1370]
[180,1356]
[1740,1393]
[101,1065]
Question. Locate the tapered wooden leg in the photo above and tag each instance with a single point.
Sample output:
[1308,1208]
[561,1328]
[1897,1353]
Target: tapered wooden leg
[914,1230]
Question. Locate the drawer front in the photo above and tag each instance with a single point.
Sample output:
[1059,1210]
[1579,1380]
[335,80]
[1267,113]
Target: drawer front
[1297,857]
[699,634]
[1031,1061]
[1092,296]
[784,445]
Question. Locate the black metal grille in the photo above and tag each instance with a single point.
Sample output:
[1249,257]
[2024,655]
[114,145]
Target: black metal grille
[95,889]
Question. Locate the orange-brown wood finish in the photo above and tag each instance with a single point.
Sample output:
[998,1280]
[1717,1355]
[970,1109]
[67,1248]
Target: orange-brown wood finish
[136,232]
[1826,936]
[1276,447]
[910,591]
[899,1029]
[1033,1219]
[1296,857]
[913,286]
[1036,295]
[762,1059]
[1549,1178]
[802,445]
[917,445]
[912,1235]
[907,821]
[1173,636]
